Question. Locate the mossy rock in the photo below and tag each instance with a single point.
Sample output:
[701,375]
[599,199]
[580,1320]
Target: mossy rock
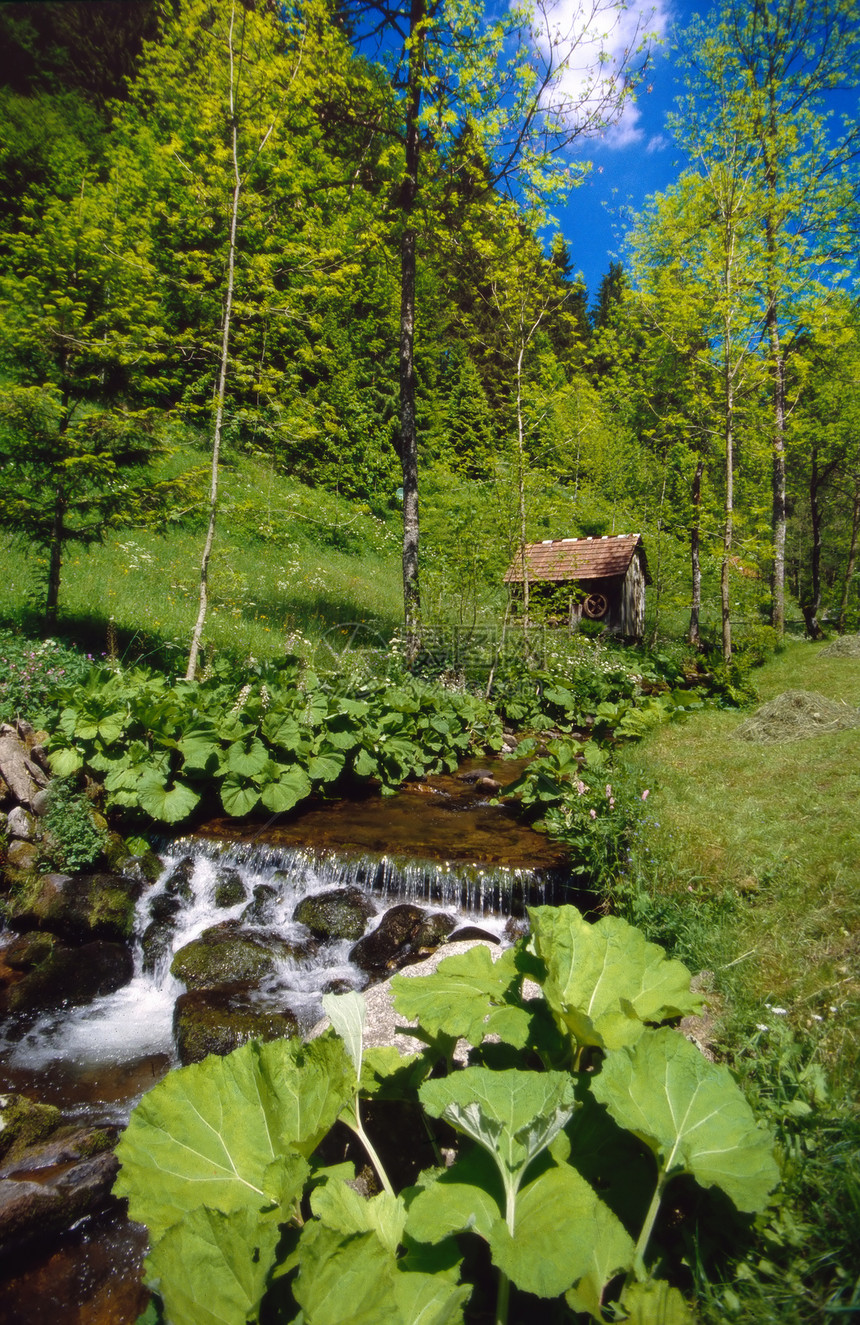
[156,942]
[77,907]
[261,910]
[226,954]
[433,930]
[229,888]
[145,867]
[341,913]
[29,950]
[23,1122]
[217,1021]
[179,880]
[70,977]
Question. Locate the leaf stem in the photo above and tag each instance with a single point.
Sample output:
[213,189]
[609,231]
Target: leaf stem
[365,1140]
[511,1185]
[648,1227]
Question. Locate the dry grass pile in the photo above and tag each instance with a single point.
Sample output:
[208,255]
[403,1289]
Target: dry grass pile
[846,646]
[796,715]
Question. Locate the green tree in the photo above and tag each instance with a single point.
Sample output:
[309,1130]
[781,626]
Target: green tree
[761,72]
[224,145]
[452,70]
[76,328]
[699,270]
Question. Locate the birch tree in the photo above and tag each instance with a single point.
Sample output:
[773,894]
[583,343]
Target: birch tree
[763,72]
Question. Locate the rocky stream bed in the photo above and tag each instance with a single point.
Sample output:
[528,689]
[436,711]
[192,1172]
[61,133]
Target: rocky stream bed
[110,978]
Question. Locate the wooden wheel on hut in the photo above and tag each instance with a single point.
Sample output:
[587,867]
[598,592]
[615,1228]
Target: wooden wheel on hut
[595,606]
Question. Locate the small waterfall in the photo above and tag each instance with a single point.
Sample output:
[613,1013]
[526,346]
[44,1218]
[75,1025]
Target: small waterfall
[256,889]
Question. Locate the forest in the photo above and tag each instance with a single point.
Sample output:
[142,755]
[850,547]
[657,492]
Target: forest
[296,359]
[319,239]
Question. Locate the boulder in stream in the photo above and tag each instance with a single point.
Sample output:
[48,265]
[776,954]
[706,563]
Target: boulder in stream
[217,1021]
[340,913]
[229,888]
[51,1174]
[35,1209]
[23,1121]
[405,934]
[228,953]
[179,881]
[76,907]
[69,977]
[261,911]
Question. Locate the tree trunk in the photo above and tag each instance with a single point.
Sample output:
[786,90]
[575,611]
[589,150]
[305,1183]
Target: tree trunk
[778,475]
[408,428]
[521,482]
[729,516]
[693,636]
[852,558]
[221,391]
[811,604]
[55,558]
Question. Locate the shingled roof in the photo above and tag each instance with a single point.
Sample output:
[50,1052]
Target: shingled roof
[578,559]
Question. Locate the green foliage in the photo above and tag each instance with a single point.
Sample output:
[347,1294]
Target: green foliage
[31,672]
[221,1160]
[163,749]
[75,840]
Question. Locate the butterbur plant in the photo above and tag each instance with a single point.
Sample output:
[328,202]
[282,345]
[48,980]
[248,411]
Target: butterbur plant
[577,1111]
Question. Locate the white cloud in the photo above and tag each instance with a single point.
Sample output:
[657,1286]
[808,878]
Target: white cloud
[592,47]
[657,143]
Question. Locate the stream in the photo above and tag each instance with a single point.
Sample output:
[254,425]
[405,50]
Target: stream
[444,848]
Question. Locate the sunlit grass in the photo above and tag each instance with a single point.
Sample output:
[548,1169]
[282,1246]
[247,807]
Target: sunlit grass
[774,830]
[287,563]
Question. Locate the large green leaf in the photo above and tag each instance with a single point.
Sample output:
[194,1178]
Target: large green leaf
[283,730]
[291,787]
[326,767]
[604,981]
[65,762]
[199,746]
[214,1133]
[654,1303]
[692,1114]
[168,804]
[457,999]
[246,758]
[563,1233]
[514,1115]
[211,1269]
[238,796]
[345,1279]
[429,1299]
[468,1197]
[339,1206]
[347,1014]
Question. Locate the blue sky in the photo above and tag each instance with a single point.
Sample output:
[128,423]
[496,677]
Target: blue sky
[632,160]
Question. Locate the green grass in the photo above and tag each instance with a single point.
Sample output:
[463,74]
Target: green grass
[775,829]
[288,562]
[748,864]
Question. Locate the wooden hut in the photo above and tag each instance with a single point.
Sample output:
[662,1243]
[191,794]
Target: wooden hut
[606,579]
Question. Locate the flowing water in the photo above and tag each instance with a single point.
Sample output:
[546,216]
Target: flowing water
[443,848]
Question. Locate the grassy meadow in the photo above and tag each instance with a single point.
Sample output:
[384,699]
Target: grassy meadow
[746,864]
[287,562]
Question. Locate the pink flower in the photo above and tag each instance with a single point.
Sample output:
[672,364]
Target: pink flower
[581,788]
[608,789]
[611,801]
[593,813]
[645,794]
